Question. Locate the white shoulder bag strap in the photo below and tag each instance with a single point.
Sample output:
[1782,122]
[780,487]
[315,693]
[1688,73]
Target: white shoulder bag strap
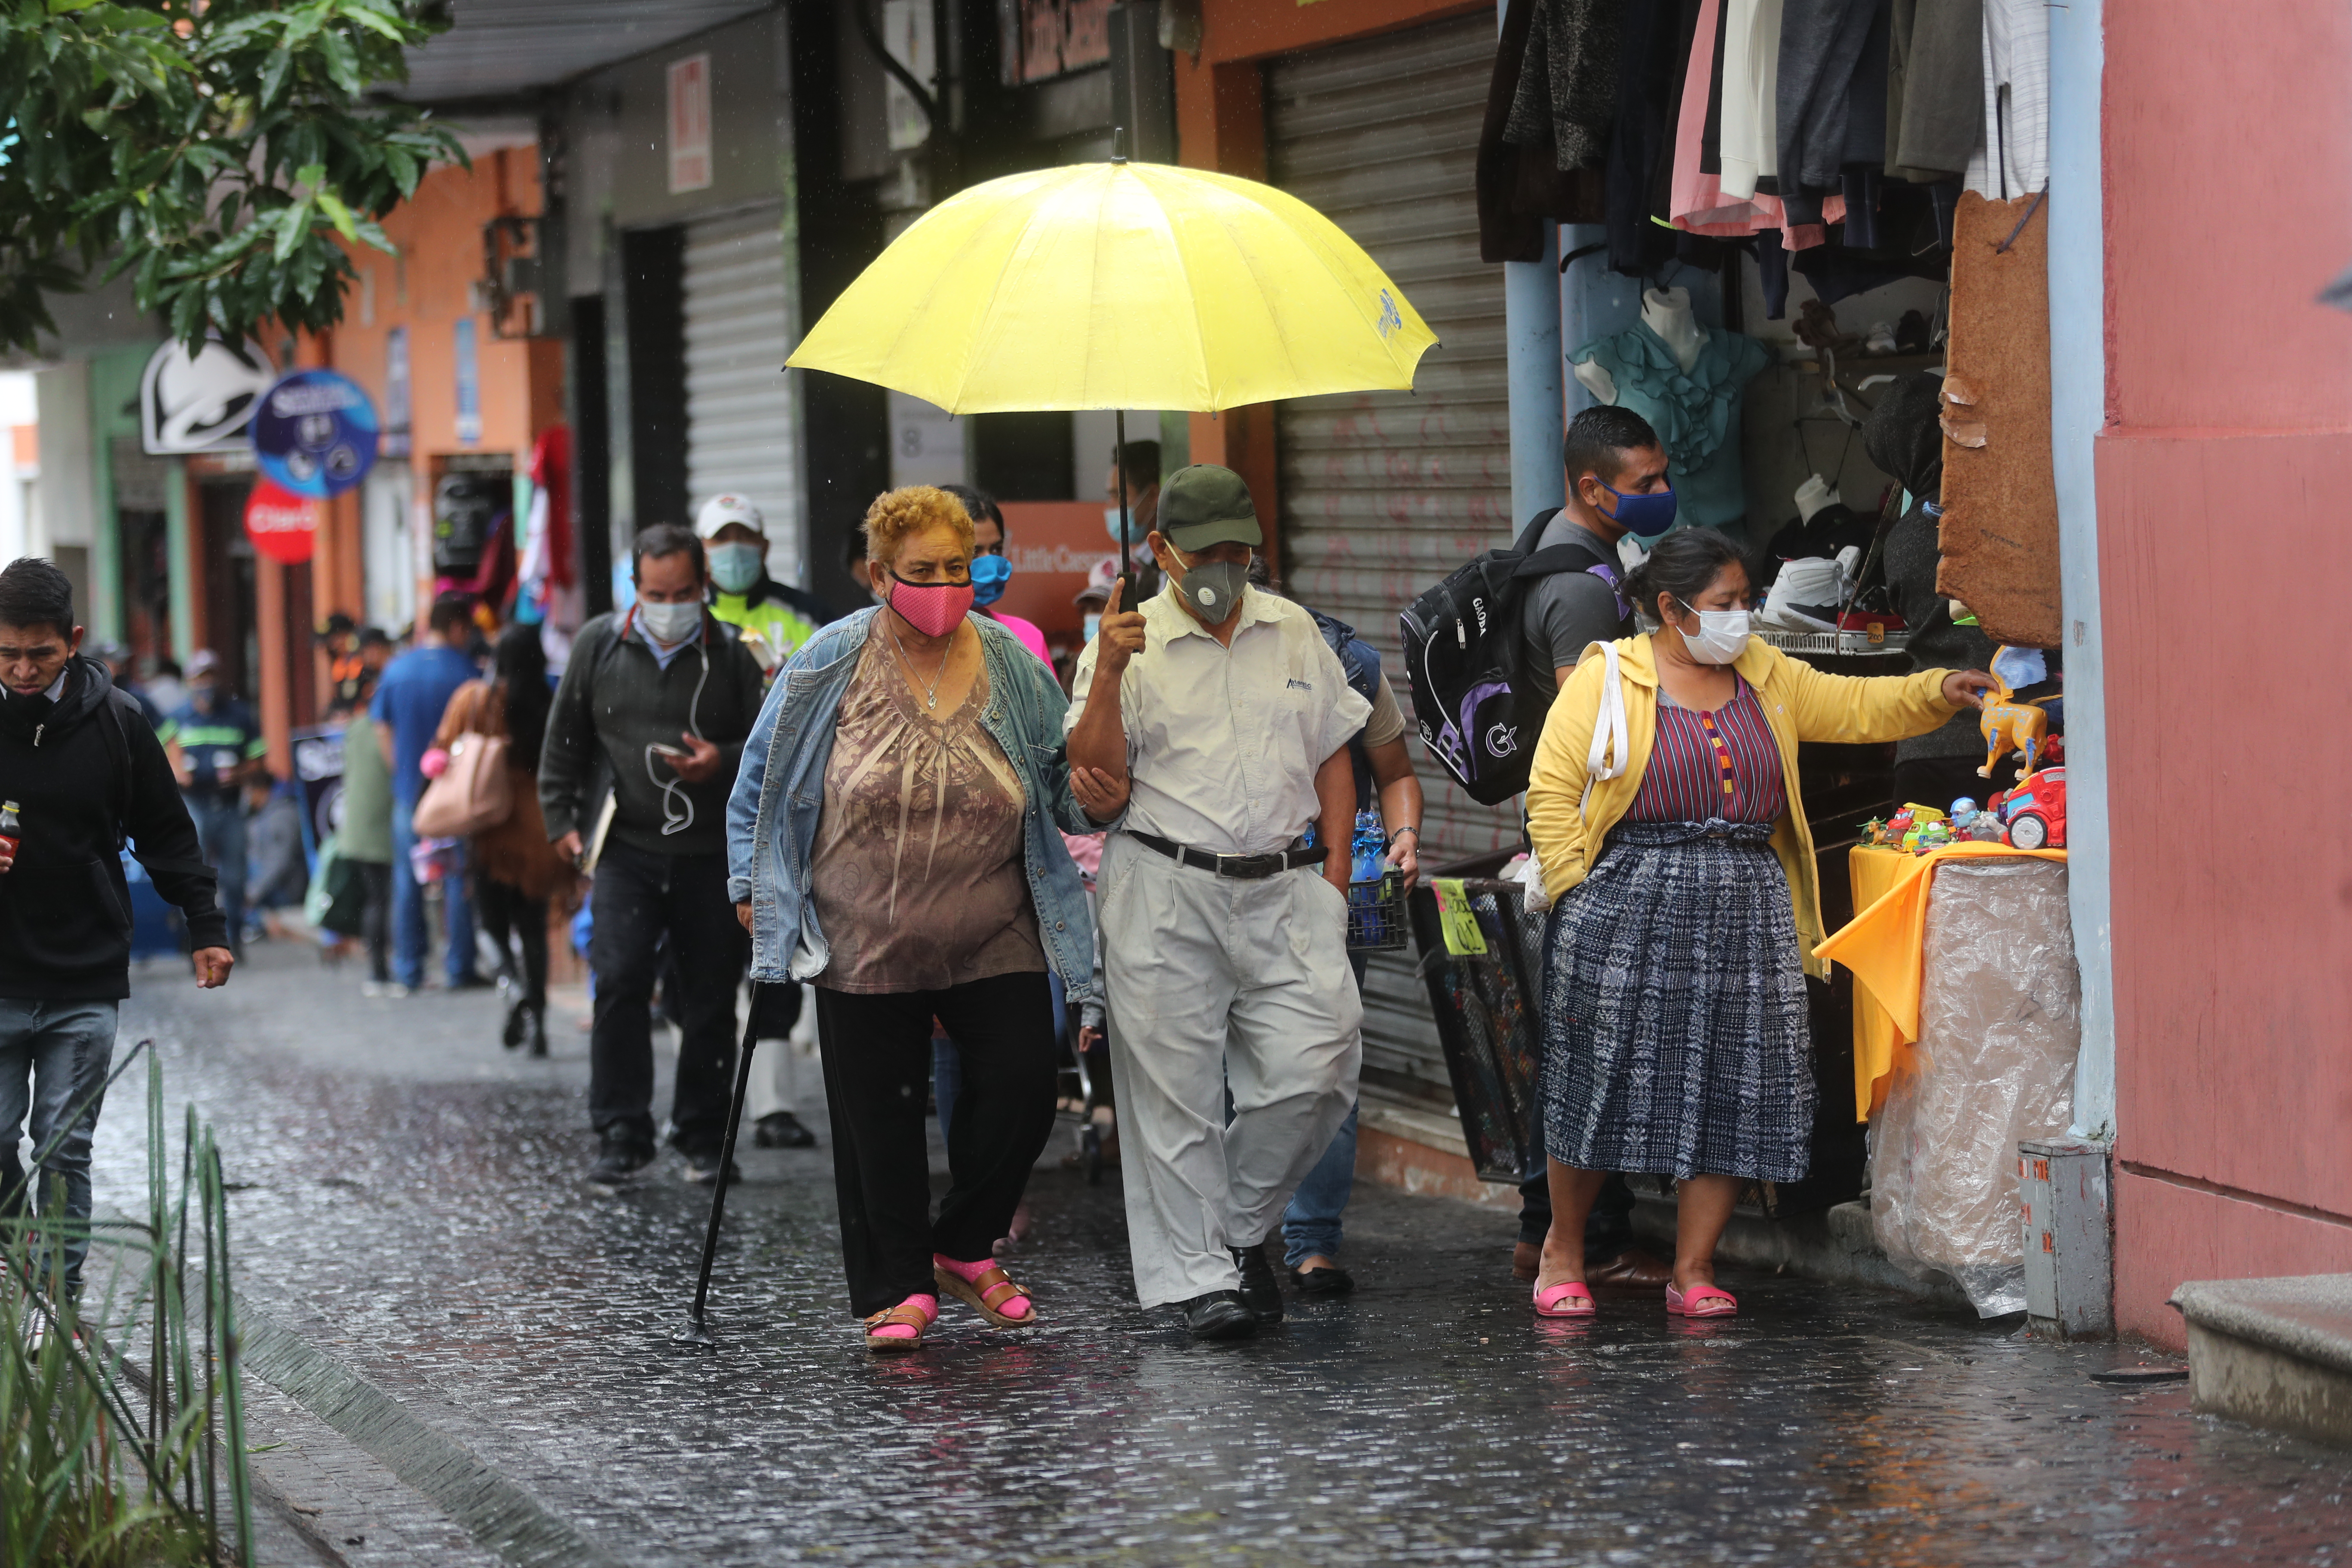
[1607,758]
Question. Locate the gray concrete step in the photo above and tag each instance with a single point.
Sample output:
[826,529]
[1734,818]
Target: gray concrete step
[2274,1353]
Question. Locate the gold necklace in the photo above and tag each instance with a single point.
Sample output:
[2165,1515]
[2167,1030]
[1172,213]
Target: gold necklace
[930,697]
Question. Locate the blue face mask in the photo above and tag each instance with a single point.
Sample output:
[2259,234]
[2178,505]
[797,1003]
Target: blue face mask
[1135,527]
[989,576]
[1646,518]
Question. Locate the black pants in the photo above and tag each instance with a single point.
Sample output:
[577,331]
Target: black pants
[514,921]
[877,1059]
[375,917]
[639,898]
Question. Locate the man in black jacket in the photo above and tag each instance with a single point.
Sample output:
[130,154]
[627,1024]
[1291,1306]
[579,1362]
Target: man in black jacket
[79,770]
[664,695]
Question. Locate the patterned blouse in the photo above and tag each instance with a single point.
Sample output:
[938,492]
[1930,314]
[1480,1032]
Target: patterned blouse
[1706,766]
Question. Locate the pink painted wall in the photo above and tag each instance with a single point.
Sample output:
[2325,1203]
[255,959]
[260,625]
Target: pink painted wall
[2225,563]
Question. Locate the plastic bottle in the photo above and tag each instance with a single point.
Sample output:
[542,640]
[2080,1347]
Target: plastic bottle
[1371,848]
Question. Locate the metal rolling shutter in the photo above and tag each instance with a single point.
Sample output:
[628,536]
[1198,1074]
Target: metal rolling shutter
[1383,493]
[738,403]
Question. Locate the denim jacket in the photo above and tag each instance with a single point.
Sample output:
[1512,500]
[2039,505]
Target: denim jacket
[771,816]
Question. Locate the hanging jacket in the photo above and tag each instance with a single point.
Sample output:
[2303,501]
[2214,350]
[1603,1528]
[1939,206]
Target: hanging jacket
[85,773]
[1799,703]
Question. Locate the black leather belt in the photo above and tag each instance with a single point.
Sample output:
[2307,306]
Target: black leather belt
[1249,867]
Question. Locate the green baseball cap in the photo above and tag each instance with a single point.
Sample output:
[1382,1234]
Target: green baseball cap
[1205,505]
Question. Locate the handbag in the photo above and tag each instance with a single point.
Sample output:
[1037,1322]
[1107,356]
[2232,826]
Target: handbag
[474,792]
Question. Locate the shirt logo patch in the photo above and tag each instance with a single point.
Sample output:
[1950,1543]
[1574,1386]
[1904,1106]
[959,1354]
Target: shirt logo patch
[1300,686]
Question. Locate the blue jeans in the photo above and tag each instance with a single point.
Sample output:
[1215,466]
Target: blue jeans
[1310,1225]
[409,943]
[220,834]
[53,1056]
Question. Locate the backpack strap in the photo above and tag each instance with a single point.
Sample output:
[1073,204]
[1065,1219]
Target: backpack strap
[118,756]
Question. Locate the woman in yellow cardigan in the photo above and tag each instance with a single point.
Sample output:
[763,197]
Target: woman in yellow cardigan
[1675,1021]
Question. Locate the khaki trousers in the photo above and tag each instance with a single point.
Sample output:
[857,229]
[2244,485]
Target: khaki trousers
[1218,982]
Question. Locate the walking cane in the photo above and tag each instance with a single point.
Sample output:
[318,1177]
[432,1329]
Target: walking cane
[697,1331]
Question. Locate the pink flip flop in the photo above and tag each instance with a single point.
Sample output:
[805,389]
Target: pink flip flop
[1569,1299]
[1696,1304]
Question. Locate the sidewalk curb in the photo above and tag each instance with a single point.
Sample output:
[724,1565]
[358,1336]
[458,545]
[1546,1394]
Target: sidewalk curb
[503,1516]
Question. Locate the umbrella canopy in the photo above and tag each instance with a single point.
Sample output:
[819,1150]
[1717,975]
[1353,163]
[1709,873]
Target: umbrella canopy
[1119,286]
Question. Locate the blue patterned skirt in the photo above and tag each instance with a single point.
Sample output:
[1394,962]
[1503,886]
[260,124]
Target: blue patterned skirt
[1676,1033]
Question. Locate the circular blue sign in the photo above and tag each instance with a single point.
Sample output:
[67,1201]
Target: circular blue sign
[315,432]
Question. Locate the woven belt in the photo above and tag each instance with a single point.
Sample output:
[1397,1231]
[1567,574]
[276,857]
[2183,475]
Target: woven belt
[1248,867]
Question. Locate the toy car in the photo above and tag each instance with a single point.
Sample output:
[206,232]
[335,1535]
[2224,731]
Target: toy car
[2035,813]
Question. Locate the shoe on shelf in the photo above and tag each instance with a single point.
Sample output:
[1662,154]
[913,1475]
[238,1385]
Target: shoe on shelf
[1328,1280]
[1258,1290]
[782,1130]
[1631,1270]
[620,1159]
[702,1169]
[1219,1315]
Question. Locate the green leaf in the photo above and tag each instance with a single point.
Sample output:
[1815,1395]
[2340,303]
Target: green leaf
[273,75]
[338,214]
[293,224]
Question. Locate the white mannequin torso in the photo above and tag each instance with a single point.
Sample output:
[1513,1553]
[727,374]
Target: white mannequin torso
[1667,312]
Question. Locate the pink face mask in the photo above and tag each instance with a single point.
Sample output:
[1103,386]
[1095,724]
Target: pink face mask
[933,609]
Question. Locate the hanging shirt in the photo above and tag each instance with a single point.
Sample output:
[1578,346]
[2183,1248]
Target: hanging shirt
[1751,72]
[2012,156]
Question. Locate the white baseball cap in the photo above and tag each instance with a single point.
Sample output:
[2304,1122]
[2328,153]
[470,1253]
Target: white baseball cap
[719,510]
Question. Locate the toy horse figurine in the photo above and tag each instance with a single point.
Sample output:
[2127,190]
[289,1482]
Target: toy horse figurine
[2010,726]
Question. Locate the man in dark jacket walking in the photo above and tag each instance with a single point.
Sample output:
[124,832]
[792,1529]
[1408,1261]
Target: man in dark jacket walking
[79,770]
[665,695]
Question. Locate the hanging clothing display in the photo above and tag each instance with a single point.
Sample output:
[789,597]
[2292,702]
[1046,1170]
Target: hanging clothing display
[1697,201]
[1657,40]
[2013,155]
[1696,411]
[1751,68]
[1523,189]
[1822,45]
[1935,88]
[1568,85]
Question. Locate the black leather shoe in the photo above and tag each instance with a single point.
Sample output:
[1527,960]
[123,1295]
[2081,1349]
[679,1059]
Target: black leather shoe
[1219,1315]
[1329,1280]
[702,1170]
[1259,1292]
[620,1159]
[782,1130]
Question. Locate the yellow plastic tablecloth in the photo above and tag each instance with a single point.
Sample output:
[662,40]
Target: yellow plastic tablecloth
[1883,945]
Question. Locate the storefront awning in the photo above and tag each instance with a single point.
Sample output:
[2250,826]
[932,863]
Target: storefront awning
[500,48]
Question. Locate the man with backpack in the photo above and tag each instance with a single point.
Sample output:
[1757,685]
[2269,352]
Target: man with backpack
[79,770]
[1487,651]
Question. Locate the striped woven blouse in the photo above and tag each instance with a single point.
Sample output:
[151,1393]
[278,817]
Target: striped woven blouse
[1706,766]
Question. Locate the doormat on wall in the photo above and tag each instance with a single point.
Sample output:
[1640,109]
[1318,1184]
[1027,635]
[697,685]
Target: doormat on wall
[2000,504]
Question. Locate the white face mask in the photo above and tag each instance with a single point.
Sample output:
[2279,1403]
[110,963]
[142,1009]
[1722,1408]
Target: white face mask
[1094,625]
[669,624]
[1722,635]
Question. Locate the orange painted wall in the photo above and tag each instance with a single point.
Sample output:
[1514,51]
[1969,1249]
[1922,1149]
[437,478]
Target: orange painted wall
[2220,480]
[1221,125]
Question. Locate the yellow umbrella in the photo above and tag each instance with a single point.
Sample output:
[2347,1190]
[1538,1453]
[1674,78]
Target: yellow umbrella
[1119,286]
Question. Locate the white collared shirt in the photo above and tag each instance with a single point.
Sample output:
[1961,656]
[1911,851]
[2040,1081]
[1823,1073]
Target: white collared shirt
[1223,742]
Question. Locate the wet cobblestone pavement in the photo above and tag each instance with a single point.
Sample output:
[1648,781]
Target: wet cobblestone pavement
[412,1198]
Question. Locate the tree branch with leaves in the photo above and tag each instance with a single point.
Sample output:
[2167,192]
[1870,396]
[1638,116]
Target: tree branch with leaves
[222,153]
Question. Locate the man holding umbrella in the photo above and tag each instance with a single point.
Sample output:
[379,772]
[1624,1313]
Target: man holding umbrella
[1224,939]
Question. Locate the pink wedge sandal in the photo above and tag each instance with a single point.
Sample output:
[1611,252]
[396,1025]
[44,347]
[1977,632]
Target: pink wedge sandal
[1699,1302]
[1569,1299]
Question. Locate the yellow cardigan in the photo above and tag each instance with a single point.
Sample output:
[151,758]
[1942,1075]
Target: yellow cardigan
[1799,703]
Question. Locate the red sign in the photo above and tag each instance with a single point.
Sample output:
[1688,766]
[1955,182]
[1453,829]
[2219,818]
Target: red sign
[282,525]
[1052,545]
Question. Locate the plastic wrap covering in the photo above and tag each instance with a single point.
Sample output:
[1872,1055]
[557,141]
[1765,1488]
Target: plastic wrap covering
[1999,1018]
[1488,1022]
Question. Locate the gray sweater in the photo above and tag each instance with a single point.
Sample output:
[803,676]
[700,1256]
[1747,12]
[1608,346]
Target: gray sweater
[616,700]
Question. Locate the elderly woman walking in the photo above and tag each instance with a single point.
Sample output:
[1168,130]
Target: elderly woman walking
[1665,815]
[890,841]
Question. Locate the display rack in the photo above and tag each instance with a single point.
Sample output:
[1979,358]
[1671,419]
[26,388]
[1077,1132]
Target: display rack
[1847,645]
